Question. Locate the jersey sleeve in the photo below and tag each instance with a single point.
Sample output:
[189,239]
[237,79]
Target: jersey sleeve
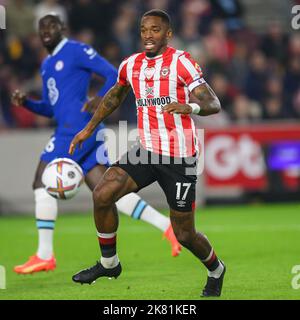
[88,58]
[189,72]
[122,74]
[41,107]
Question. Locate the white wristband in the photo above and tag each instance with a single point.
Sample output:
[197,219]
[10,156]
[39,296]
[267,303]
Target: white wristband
[195,108]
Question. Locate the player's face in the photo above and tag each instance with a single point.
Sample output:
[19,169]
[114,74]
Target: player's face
[155,34]
[50,31]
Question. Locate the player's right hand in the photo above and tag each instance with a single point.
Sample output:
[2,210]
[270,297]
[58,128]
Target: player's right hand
[18,98]
[79,139]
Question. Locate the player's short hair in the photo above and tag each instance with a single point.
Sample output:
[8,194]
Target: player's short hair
[159,13]
[53,15]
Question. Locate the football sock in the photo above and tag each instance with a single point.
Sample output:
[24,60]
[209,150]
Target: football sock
[217,272]
[132,205]
[213,265]
[45,213]
[108,244]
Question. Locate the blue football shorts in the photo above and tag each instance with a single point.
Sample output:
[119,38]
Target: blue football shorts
[91,154]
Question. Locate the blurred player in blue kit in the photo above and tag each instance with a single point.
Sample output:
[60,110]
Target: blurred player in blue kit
[66,74]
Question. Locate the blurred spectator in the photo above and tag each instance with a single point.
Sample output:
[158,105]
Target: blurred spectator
[197,13]
[158,4]
[231,11]
[223,90]
[291,84]
[274,87]
[83,15]
[112,52]
[244,111]
[272,109]
[5,78]
[2,122]
[292,76]
[296,105]
[173,7]
[275,42]
[257,76]
[238,67]
[125,31]
[20,18]
[193,14]
[86,36]
[96,16]
[294,45]
[6,117]
[24,55]
[219,46]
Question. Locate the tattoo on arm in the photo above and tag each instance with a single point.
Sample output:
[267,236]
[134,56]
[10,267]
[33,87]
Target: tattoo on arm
[110,102]
[208,100]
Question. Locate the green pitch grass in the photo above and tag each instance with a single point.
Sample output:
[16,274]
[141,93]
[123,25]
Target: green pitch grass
[259,244]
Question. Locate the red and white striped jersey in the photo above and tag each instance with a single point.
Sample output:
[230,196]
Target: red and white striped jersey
[158,81]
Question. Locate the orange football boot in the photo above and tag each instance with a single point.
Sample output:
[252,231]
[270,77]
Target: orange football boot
[176,246]
[35,264]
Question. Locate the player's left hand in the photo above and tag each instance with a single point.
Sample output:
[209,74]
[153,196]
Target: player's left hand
[18,98]
[176,107]
[91,105]
[79,139]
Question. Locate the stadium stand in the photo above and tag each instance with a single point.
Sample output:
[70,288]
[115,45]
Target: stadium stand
[253,63]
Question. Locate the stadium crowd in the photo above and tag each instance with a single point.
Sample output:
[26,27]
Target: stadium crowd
[256,76]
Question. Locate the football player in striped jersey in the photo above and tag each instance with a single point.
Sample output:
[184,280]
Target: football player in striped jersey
[162,78]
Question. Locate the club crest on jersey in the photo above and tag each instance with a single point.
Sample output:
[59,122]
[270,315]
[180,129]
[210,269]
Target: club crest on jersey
[164,72]
[197,67]
[149,72]
[59,65]
[149,91]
